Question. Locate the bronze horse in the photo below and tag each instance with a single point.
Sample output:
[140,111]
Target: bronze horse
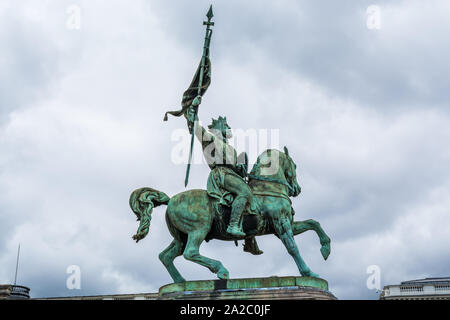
[192,216]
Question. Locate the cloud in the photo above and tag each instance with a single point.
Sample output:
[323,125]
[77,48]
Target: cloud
[363,114]
[28,60]
[331,46]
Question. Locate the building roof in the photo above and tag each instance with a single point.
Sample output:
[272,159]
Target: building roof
[442,280]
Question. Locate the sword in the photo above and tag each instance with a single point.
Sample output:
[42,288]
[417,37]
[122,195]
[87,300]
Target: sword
[208,24]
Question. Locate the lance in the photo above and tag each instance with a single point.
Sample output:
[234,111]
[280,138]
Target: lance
[208,24]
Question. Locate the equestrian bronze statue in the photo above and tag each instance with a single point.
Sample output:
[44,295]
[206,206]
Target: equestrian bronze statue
[236,205]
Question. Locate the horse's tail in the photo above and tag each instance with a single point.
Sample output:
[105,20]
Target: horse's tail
[142,202]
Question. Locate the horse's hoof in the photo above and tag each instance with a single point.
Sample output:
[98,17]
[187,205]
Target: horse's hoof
[325,251]
[223,274]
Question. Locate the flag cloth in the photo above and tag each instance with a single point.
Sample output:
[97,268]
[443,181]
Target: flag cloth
[190,94]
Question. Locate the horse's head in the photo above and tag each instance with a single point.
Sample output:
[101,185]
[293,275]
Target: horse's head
[290,174]
[276,166]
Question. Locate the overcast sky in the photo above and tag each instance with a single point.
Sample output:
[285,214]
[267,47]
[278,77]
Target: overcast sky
[363,111]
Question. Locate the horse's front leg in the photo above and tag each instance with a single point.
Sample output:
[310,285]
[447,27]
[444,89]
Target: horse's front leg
[283,229]
[302,226]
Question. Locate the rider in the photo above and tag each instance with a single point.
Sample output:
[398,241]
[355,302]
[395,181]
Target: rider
[226,179]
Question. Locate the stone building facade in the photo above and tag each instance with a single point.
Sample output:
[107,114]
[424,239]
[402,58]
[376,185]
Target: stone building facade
[422,289]
[12,292]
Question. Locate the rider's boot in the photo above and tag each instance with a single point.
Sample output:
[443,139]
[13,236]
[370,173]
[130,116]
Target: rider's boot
[238,207]
[251,246]
[233,228]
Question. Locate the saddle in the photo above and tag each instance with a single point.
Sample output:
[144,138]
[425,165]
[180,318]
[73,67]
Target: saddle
[250,222]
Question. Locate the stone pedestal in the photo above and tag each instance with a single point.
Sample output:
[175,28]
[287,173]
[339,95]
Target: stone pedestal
[272,288]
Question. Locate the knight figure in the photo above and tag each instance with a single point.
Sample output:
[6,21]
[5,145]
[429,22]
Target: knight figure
[226,181]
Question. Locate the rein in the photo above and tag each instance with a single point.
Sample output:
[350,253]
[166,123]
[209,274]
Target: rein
[251,176]
[270,194]
[268,179]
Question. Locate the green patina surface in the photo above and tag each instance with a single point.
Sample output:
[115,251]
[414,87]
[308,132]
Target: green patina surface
[236,205]
[246,283]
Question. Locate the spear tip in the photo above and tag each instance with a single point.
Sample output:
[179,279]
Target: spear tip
[210,13]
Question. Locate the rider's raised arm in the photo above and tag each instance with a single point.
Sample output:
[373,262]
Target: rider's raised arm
[201,133]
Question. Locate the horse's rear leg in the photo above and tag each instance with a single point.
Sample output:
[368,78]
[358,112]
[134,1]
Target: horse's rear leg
[174,250]
[192,253]
[284,230]
[302,226]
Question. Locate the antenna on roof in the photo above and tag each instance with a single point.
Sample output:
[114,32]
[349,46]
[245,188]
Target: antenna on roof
[17,265]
